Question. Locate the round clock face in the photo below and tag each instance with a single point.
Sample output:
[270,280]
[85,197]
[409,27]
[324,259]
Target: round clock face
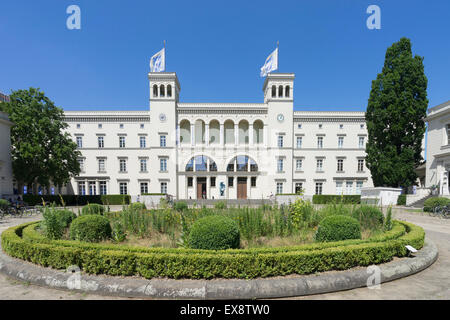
[280,117]
[162,117]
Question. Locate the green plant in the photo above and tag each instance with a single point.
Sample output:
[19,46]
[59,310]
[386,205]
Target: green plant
[369,217]
[220,205]
[118,231]
[65,217]
[180,206]
[214,233]
[401,200]
[388,220]
[93,208]
[90,228]
[430,204]
[4,204]
[338,227]
[138,206]
[52,225]
[302,214]
[326,198]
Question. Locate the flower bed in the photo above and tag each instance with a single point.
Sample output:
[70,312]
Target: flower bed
[25,243]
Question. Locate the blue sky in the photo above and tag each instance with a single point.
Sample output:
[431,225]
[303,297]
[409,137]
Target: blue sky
[216,48]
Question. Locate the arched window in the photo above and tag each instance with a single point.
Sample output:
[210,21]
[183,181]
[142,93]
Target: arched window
[242,164]
[274,91]
[185,131]
[229,132]
[287,93]
[155,90]
[200,163]
[161,91]
[214,132]
[258,133]
[169,90]
[280,92]
[243,132]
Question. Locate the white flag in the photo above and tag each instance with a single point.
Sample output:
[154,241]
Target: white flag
[270,64]
[158,61]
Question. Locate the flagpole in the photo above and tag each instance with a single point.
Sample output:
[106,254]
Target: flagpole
[278,52]
[164,55]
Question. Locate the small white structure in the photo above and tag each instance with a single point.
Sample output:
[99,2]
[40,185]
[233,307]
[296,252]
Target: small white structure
[6,176]
[383,196]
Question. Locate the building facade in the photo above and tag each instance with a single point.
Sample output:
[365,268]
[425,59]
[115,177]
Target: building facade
[438,148]
[6,175]
[219,150]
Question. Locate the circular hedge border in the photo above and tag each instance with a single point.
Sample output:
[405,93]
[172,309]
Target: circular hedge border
[25,243]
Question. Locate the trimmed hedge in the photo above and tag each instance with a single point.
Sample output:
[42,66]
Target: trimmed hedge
[338,227]
[401,200]
[138,206]
[214,233]
[90,228]
[430,204]
[328,198]
[176,263]
[77,200]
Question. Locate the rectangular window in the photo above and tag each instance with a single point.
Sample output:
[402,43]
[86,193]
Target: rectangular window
[81,188]
[340,142]
[123,165]
[279,187]
[81,162]
[299,142]
[80,142]
[143,164]
[230,181]
[319,186]
[121,142]
[338,187]
[163,165]
[123,188]
[349,187]
[360,165]
[162,140]
[101,142]
[298,187]
[144,187]
[92,188]
[359,185]
[280,165]
[253,181]
[103,189]
[340,165]
[361,143]
[100,125]
[190,181]
[320,142]
[448,134]
[101,165]
[213,181]
[319,165]
[280,141]
[142,142]
[298,164]
[164,187]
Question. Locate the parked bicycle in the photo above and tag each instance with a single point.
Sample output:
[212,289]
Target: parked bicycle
[442,211]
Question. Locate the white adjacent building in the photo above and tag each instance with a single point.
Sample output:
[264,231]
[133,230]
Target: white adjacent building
[219,150]
[6,176]
[438,148]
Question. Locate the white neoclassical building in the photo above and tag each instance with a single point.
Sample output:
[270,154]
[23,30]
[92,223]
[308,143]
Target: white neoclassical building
[6,175]
[219,150]
[438,148]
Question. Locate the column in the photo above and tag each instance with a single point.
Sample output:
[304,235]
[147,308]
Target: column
[249,187]
[178,135]
[194,181]
[222,132]
[208,187]
[192,134]
[236,134]
[250,134]
[266,143]
[207,134]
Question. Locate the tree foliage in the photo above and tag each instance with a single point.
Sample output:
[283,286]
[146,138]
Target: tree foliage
[395,118]
[41,150]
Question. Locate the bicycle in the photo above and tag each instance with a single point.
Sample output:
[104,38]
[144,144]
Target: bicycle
[442,211]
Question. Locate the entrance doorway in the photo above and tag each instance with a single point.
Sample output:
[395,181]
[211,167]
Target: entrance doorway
[201,188]
[242,188]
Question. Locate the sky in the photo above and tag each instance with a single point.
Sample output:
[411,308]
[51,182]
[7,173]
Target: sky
[216,48]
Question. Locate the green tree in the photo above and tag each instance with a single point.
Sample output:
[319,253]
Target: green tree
[41,151]
[395,118]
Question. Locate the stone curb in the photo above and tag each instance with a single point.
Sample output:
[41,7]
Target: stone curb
[277,287]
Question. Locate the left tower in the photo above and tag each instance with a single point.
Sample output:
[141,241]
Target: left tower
[164,95]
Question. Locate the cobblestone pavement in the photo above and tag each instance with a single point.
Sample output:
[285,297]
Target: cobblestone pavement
[432,283]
